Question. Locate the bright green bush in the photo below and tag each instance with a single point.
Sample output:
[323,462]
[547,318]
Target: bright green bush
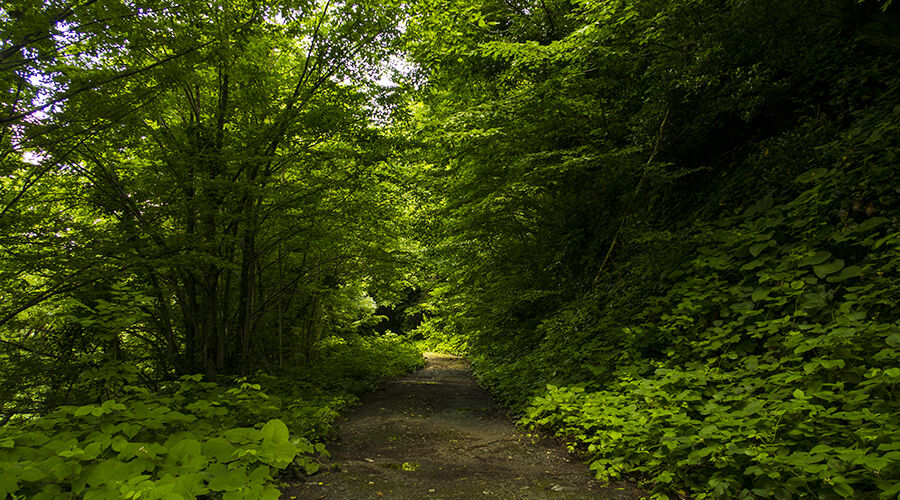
[437,336]
[356,364]
[196,438]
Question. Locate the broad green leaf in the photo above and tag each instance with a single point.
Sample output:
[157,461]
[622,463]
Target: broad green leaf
[186,456]
[242,435]
[823,270]
[869,224]
[84,410]
[8,485]
[110,472]
[223,479]
[219,449]
[842,488]
[275,430]
[846,273]
[873,462]
[32,474]
[757,249]
[815,259]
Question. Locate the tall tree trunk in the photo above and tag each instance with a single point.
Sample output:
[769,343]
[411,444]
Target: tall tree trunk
[246,295]
[165,324]
[280,311]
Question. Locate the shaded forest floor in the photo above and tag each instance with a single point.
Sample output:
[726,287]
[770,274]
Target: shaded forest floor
[436,434]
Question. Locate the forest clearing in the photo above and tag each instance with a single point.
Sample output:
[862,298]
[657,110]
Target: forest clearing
[664,235]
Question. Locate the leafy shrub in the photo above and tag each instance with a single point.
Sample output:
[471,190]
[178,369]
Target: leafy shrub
[356,363]
[191,442]
[195,438]
[767,368]
[437,337]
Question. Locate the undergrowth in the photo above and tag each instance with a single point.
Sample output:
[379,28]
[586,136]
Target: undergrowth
[762,358]
[193,438]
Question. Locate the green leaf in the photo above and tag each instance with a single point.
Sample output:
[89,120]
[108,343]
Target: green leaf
[815,259]
[811,175]
[832,363]
[753,264]
[841,487]
[220,449]
[110,472]
[32,474]
[275,430]
[186,456]
[224,479]
[277,453]
[873,462]
[8,485]
[758,248]
[846,273]
[84,410]
[184,448]
[664,477]
[241,435]
[824,270]
[869,224]
[893,340]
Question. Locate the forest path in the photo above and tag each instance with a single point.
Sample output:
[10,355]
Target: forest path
[434,434]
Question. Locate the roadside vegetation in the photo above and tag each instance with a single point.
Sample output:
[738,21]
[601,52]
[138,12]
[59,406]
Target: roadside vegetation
[669,232]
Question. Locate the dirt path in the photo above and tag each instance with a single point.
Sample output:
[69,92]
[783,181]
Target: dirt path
[434,434]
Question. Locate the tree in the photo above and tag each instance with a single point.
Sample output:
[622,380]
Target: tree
[201,176]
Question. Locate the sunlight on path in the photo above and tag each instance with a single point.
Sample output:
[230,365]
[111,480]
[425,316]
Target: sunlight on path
[435,434]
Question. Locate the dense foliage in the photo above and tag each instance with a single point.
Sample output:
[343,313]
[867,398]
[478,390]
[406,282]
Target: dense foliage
[198,212]
[669,232]
[194,438]
[205,186]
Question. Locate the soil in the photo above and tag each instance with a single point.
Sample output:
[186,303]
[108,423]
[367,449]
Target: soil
[435,434]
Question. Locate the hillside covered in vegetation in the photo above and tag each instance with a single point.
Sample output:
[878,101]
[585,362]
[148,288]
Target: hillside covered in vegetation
[666,231]
[670,232]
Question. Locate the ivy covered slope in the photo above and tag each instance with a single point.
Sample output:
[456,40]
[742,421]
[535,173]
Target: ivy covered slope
[675,227]
[768,366]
